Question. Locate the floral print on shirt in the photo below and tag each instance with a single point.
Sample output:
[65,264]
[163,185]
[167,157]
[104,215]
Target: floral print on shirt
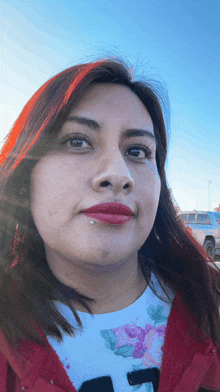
[131,340]
[66,364]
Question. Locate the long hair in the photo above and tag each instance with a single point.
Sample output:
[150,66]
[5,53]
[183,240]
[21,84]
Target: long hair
[28,288]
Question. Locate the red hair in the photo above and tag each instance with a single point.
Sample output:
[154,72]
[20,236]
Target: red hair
[22,120]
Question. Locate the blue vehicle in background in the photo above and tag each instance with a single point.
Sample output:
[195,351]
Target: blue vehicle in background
[205,228]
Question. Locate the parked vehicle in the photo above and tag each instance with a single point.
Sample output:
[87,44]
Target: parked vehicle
[205,228]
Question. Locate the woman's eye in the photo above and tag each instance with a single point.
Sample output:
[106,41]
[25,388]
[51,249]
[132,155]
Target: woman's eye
[81,142]
[141,152]
[77,142]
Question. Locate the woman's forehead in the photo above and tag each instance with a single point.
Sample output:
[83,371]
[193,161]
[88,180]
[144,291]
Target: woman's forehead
[102,100]
[99,91]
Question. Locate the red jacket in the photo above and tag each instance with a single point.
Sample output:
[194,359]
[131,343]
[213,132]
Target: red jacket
[187,365]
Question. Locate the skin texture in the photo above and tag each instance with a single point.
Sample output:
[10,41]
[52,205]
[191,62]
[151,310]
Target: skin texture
[99,260]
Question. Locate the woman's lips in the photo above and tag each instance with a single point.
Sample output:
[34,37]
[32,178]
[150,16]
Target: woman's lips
[113,219]
[112,213]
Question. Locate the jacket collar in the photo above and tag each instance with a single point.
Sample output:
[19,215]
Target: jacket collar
[185,360]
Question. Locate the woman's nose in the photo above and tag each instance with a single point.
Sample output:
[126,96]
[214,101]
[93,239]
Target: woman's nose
[114,174]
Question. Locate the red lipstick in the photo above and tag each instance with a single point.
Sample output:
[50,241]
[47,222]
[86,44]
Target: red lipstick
[111,213]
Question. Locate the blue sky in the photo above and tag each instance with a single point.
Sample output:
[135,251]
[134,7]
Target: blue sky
[176,42]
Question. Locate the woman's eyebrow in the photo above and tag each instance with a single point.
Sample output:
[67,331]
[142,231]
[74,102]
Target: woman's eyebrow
[96,127]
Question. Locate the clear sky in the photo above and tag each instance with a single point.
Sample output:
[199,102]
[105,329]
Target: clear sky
[176,42]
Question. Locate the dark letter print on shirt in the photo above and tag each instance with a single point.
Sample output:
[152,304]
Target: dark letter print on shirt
[104,384]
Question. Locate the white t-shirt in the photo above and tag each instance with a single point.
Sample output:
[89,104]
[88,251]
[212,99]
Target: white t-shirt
[119,351]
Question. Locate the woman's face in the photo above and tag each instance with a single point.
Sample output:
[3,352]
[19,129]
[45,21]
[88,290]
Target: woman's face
[66,180]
